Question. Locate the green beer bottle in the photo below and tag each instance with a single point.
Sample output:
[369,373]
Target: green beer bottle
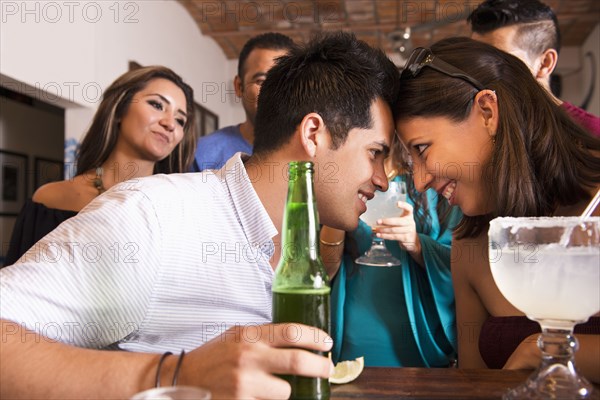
[301,285]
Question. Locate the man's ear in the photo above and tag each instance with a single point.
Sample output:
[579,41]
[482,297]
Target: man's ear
[237,85]
[487,103]
[548,61]
[312,133]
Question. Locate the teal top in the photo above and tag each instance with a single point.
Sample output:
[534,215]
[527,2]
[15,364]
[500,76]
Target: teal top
[398,316]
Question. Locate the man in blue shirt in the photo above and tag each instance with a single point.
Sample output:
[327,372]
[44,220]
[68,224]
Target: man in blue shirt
[256,59]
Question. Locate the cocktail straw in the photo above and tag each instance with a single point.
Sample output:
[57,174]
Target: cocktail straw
[566,236]
[590,207]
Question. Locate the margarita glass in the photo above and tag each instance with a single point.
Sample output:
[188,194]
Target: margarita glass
[382,205]
[549,268]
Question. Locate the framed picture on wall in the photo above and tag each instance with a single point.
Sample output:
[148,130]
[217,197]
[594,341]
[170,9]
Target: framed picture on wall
[206,121]
[47,171]
[211,122]
[13,182]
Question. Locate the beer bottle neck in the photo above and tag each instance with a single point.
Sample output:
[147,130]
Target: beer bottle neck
[300,228]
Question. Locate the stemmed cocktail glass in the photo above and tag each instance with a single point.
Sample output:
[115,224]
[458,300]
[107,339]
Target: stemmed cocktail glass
[383,205]
[549,268]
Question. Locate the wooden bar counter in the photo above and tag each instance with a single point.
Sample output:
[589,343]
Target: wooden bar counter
[429,383]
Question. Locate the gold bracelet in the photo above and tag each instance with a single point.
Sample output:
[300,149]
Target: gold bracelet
[331,243]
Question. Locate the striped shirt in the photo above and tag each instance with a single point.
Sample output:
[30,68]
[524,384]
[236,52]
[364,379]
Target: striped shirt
[157,264]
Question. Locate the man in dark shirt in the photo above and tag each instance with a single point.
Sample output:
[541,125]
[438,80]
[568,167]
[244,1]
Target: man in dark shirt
[527,29]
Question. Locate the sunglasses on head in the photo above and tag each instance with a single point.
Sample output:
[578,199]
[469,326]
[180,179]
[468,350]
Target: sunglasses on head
[422,57]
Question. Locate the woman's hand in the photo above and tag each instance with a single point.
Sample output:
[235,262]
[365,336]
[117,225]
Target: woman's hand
[529,356]
[403,229]
[526,356]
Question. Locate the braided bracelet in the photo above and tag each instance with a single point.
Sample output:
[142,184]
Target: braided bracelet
[160,363]
[177,367]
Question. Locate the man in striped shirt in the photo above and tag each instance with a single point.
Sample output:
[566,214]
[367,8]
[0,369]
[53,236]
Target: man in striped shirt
[185,261]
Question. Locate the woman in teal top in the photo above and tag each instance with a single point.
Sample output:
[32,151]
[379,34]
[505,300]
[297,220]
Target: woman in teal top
[397,316]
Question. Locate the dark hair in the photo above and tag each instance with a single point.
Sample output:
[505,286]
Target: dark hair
[401,161]
[541,158]
[269,41]
[335,75]
[101,137]
[537,25]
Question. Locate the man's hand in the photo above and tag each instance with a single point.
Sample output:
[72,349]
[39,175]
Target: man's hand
[241,362]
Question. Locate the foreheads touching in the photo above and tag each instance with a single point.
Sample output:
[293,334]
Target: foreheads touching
[334,75]
[449,89]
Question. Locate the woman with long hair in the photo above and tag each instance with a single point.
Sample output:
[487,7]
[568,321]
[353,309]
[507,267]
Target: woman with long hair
[144,125]
[487,137]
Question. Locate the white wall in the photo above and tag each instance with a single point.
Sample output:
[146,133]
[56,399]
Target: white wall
[577,72]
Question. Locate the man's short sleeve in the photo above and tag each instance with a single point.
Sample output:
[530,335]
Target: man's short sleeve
[88,282]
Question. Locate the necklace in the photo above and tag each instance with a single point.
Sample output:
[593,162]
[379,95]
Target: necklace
[98,184]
